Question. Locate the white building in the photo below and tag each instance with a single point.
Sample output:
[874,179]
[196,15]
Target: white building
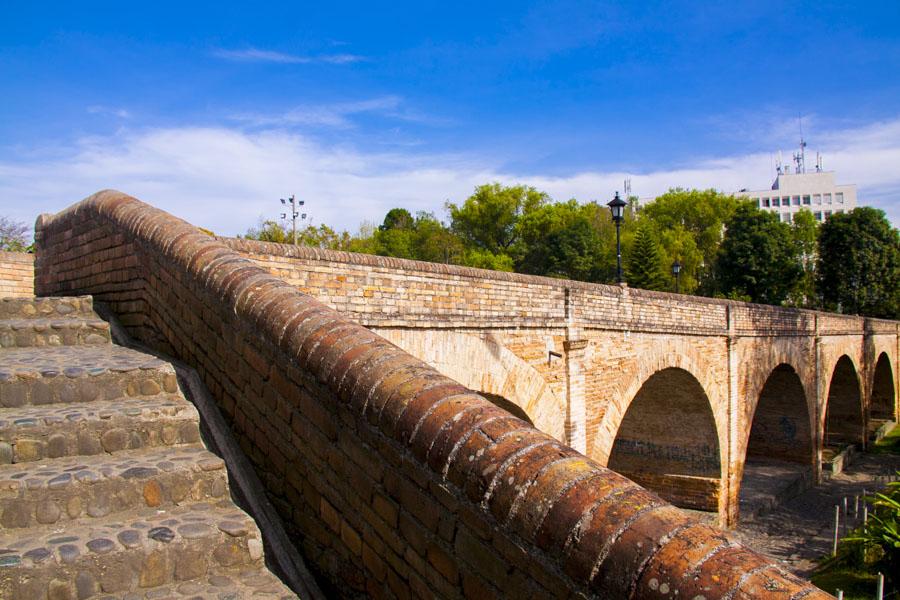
[816,192]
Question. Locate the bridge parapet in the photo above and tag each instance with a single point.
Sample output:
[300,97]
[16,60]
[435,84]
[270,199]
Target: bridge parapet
[387,291]
[390,475]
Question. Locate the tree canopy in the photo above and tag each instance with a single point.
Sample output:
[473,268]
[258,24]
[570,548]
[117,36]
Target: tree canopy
[858,267]
[758,257]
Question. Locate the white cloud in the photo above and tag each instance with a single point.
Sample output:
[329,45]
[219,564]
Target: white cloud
[270,56]
[225,179]
[97,109]
[328,115]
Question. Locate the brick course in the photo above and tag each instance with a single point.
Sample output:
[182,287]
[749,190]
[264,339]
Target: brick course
[16,274]
[349,433]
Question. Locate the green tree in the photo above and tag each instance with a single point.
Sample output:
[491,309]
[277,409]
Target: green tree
[678,243]
[397,218]
[268,231]
[645,269]
[323,237]
[757,258]
[805,233]
[13,235]
[423,238]
[703,214]
[558,240]
[487,219]
[859,264]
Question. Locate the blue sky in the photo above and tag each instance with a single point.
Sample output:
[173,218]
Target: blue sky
[212,111]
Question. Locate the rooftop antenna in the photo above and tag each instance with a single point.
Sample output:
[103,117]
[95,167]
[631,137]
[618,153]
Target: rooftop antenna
[627,187]
[779,164]
[800,157]
[818,163]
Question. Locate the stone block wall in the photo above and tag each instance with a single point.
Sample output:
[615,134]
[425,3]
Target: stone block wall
[394,480]
[16,275]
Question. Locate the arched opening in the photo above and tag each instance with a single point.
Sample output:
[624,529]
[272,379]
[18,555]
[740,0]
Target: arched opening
[844,411]
[883,401]
[507,405]
[668,443]
[780,458]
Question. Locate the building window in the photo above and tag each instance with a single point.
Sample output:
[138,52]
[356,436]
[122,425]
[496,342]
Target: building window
[839,197]
[786,217]
[775,202]
[765,202]
[827,213]
[817,198]
[827,198]
[796,201]
[806,200]
[818,215]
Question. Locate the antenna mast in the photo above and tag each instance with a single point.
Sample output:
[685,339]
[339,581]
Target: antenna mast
[800,157]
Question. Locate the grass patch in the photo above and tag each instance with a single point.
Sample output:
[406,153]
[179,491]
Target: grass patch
[857,585]
[889,444]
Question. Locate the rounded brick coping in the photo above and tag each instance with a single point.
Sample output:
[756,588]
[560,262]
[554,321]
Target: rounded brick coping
[603,536]
[428,268]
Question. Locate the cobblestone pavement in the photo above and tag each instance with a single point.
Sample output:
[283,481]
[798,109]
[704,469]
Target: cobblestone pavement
[105,485]
[800,531]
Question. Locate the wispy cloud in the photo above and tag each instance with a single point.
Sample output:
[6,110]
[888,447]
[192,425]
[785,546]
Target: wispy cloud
[271,56]
[98,109]
[338,114]
[224,179]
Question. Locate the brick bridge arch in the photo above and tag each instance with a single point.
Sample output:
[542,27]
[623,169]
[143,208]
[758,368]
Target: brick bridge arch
[843,417]
[781,430]
[669,356]
[665,396]
[484,365]
[777,394]
[883,403]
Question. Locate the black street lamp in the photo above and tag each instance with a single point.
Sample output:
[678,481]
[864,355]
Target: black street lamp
[676,269]
[617,208]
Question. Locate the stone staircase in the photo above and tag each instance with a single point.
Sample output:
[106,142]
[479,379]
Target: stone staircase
[106,489]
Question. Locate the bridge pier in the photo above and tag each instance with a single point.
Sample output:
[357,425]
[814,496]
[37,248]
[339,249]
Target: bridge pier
[576,422]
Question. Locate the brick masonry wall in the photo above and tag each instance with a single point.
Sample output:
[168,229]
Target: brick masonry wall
[396,481]
[387,291]
[16,275]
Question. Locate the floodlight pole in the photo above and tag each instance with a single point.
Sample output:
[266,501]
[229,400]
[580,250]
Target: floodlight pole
[294,214]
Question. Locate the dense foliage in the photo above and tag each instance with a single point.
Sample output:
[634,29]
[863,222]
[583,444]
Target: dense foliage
[859,264]
[757,258]
[726,246]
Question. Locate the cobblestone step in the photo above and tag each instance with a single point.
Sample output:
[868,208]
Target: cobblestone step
[98,487]
[134,552]
[217,584]
[47,308]
[28,333]
[38,376]
[32,433]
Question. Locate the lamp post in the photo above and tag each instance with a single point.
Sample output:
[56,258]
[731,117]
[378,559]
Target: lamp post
[294,214]
[617,208]
[676,269]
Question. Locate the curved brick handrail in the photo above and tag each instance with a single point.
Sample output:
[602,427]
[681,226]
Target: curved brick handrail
[395,476]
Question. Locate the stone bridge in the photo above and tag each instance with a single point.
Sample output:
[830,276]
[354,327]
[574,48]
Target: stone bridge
[676,392]
[396,481]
